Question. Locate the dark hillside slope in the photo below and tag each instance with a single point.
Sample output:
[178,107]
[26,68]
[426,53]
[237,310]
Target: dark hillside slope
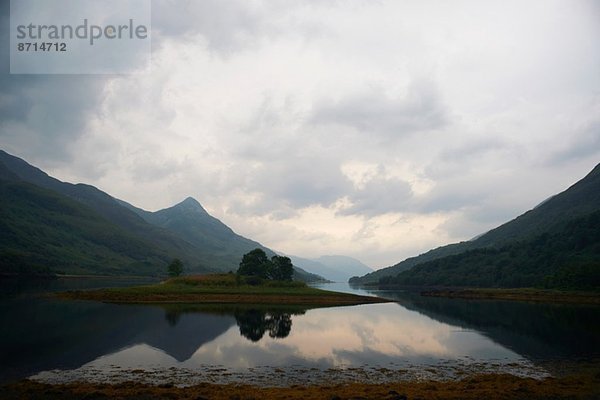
[222,248]
[80,229]
[42,231]
[579,200]
[410,262]
[110,209]
[565,256]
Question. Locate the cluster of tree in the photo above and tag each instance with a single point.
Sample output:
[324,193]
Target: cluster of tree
[257,264]
[175,268]
[567,257]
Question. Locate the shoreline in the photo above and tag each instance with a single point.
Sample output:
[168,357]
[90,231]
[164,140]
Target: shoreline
[333,299]
[582,385]
[221,289]
[524,294]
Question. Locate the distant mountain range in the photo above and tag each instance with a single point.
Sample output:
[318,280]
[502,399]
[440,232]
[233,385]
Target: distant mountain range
[49,226]
[556,244]
[333,268]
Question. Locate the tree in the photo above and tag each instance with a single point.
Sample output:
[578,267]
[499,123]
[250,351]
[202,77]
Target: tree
[282,269]
[255,263]
[175,268]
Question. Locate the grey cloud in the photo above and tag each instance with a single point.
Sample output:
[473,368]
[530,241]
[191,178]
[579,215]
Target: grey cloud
[478,219]
[231,25]
[44,115]
[581,145]
[373,112]
[456,160]
[227,25]
[302,181]
[40,115]
[380,196]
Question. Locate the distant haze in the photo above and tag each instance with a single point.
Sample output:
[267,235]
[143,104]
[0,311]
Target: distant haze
[376,130]
[333,268]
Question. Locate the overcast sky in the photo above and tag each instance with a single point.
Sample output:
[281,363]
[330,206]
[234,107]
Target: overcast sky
[374,129]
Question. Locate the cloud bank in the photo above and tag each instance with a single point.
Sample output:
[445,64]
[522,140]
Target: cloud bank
[372,129]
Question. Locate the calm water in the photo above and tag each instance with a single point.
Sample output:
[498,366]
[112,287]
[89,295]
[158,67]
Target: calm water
[55,340]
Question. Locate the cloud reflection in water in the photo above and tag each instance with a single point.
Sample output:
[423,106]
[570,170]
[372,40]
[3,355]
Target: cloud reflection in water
[372,335]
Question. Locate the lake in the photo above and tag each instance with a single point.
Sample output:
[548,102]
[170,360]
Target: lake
[416,337]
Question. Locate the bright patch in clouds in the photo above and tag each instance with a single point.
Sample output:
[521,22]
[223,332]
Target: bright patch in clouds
[372,129]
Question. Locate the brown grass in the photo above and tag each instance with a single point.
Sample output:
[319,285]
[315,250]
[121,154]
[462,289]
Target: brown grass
[490,386]
[223,289]
[214,298]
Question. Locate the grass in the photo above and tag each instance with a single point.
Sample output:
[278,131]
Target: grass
[222,289]
[519,294]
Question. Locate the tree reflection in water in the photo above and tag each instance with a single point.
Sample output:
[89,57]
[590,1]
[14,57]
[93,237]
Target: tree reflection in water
[172,317]
[254,323]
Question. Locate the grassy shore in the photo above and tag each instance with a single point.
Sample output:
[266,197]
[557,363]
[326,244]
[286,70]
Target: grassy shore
[521,294]
[223,289]
[584,385]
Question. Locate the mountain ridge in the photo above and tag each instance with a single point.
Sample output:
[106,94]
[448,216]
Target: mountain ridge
[190,222]
[106,206]
[86,230]
[578,200]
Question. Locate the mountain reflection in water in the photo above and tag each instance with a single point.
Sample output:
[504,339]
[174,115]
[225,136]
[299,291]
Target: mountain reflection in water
[253,322]
[40,334]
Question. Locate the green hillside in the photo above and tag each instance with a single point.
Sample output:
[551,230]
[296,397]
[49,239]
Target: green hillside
[222,247]
[42,231]
[407,264]
[566,256]
[511,250]
[580,199]
[51,226]
[111,210]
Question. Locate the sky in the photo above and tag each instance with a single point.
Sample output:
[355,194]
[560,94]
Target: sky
[374,129]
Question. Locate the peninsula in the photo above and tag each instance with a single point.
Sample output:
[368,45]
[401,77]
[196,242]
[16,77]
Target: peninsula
[224,289]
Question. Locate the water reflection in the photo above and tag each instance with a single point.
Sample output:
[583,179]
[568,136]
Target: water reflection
[253,321]
[378,334]
[537,331]
[418,331]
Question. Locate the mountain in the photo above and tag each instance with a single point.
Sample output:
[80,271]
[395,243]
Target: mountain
[83,332]
[53,226]
[42,231]
[222,247]
[554,243]
[535,331]
[410,262]
[301,275]
[347,265]
[107,208]
[333,268]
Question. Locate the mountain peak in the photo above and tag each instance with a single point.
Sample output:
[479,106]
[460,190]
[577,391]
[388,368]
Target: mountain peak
[191,204]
